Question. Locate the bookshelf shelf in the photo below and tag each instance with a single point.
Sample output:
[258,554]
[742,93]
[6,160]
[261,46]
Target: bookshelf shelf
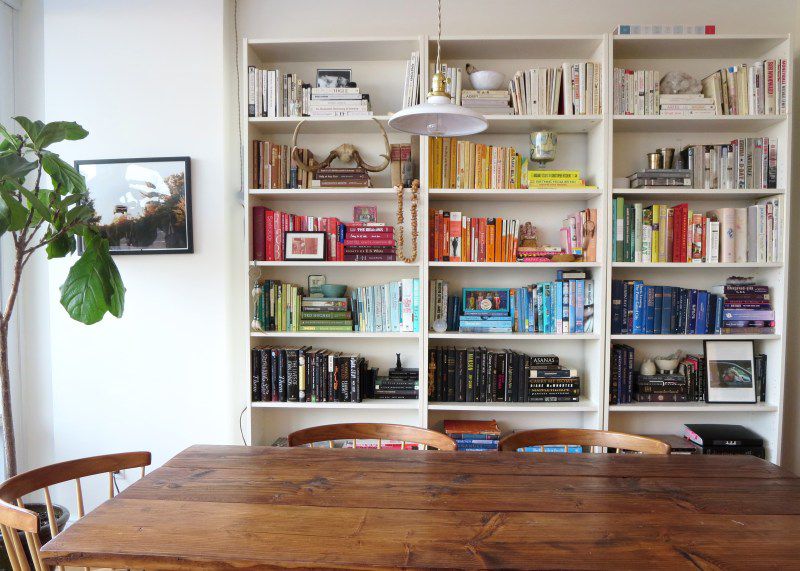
[602,146]
[366,404]
[731,337]
[584,405]
[691,407]
[512,194]
[718,124]
[692,193]
[517,336]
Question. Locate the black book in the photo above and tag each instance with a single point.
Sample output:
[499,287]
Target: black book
[722,435]
[470,377]
[441,374]
[282,375]
[454,359]
[544,361]
[616,305]
[255,375]
[484,384]
[292,376]
[274,363]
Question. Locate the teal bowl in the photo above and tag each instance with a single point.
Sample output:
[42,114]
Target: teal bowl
[333,290]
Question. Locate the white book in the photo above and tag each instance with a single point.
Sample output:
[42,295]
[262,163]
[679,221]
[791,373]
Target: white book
[251,91]
[753,236]
[712,246]
[582,88]
[406,86]
[647,242]
[740,235]
[566,77]
[637,252]
[727,226]
[761,230]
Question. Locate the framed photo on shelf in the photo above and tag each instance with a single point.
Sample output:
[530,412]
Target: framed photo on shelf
[143,206]
[730,371]
[363,213]
[333,77]
[304,246]
[485,300]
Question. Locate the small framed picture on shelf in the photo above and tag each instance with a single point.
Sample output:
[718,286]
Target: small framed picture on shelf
[730,371]
[304,246]
[315,283]
[362,213]
[333,77]
[485,301]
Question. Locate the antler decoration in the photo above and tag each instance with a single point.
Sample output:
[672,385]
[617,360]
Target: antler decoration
[345,152]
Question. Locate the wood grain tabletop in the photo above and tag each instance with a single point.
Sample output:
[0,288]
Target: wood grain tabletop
[236,507]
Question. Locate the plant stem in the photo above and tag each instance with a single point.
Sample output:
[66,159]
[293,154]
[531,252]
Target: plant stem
[10,446]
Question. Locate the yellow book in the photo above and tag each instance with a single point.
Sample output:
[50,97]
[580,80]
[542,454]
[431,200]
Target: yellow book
[438,163]
[446,162]
[471,176]
[476,182]
[459,164]
[431,170]
[656,234]
[453,161]
[550,174]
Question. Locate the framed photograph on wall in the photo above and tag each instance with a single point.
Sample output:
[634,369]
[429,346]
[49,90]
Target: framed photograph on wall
[304,246]
[143,206]
[730,371]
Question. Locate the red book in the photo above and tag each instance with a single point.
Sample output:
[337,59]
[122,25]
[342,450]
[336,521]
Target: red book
[371,229]
[431,240]
[369,258]
[438,236]
[369,242]
[368,236]
[259,246]
[446,236]
[269,231]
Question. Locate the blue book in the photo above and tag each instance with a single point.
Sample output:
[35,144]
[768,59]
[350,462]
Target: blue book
[554,448]
[565,307]
[702,313]
[638,308]
[617,287]
[577,307]
[659,307]
[416,305]
[571,316]
[650,308]
[692,318]
[513,309]
[540,307]
[558,292]
[548,307]
[718,317]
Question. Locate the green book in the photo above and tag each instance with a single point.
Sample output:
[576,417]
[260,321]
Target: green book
[326,327]
[325,315]
[348,322]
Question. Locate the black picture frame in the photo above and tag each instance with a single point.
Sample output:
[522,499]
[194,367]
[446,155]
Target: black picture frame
[343,75]
[738,360]
[186,246]
[289,253]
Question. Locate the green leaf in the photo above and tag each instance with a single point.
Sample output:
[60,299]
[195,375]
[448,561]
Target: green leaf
[17,214]
[93,285]
[32,128]
[56,132]
[5,217]
[13,166]
[34,201]
[60,247]
[65,178]
[9,140]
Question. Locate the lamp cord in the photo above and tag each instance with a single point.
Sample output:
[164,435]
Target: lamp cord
[438,34]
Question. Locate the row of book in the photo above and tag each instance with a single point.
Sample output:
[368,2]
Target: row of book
[303,374]
[411,82]
[390,307]
[473,435]
[759,88]
[478,374]
[272,166]
[466,164]
[569,89]
[273,94]
[749,162]
[661,233]
[338,102]
[453,80]
[457,238]
[639,309]
[636,92]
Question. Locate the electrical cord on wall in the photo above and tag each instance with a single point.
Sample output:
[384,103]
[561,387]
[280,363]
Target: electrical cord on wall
[241,430]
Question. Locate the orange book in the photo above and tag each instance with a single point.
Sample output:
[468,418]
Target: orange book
[482,240]
[498,239]
[466,254]
[490,227]
[437,240]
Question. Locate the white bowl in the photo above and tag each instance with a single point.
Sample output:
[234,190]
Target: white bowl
[486,79]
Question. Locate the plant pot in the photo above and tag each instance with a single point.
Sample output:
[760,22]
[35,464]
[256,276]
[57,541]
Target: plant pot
[62,516]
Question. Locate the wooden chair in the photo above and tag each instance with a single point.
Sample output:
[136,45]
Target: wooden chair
[591,438]
[372,431]
[15,518]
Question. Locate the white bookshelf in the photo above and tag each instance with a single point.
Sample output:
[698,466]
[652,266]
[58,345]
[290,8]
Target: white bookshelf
[602,147]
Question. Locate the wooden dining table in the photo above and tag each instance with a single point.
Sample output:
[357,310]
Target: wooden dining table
[237,507]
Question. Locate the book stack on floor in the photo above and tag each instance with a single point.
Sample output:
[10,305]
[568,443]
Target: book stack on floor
[341,177]
[273,167]
[760,88]
[368,242]
[325,314]
[662,233]
[272,94]
[725,439]
[639,309]
[570,89]
[747,310]
[478,374]
[556,179]
[302,374]
[387,308]
[636,92]
[746,162]
[473,435]
[487,101]
[338,102]
[686,104]
[467,165]
[401,383]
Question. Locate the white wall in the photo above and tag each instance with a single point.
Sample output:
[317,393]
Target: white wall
[155,77]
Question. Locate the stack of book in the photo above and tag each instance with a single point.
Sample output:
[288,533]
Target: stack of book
[338,102]
[272,94]
[411,82]
[466,164]
[750,162]
[661,178]
[270,227]
[325,314]
[487,101]
[486,311]
[368,242]
[725,439]
[278,306]
[452,77]
[571,89]
[636,92]
[556,179]
[639,309]
[385,308]
[759,88]
[478,374]
[473,435]
[693,104]
[554,385]
[661,233]
[401,383]
[341,177]
[661,388]
[747,309]
[457,238]
[302,374]
[273,167]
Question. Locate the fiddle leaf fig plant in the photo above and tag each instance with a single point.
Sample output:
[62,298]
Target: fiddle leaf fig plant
[36,215]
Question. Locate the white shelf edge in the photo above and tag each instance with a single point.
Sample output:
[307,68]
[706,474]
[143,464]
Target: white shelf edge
[584,405]
[720,118]
[371,404]
[514,264]
[334,334]
[284,263]
[707,193]
[517,336]
[682,265]
[691,407]
[689,337]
